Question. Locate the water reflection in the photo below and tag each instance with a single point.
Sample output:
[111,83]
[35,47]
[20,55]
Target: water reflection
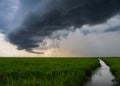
[102,76]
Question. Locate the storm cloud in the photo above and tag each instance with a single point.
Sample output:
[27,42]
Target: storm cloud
[40,18]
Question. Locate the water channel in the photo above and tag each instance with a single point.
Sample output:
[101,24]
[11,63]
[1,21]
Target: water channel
[102,76]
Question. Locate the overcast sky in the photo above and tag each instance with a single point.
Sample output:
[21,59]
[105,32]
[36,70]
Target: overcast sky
[59,28]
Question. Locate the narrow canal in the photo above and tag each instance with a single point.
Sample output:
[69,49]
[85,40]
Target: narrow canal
[102,76]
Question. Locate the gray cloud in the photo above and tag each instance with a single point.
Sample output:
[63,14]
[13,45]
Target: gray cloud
[113,29]
[96,42]
[7,10]
[93,44]
[47,16]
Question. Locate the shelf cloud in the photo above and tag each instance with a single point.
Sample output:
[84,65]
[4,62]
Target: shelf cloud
[37,19]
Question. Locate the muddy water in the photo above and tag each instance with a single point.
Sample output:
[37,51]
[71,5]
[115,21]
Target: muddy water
[102,76]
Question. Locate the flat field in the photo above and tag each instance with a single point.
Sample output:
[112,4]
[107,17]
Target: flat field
[46,71]
[114,64]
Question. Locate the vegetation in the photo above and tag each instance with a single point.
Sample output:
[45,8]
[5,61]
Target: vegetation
[114,64]
[45,71]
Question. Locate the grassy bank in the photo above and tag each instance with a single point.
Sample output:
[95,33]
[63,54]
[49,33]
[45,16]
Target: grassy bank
[114,64]
[45,71]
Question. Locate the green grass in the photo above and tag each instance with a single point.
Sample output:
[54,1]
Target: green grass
[45,71]
[114,64]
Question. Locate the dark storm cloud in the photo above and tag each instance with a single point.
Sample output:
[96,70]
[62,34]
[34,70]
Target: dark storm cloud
[47,16]
[2,26]
[7,11]
[3,13]
[31,51]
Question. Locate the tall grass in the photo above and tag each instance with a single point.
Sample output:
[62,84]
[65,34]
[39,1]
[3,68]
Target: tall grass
[45,71]
[114,64]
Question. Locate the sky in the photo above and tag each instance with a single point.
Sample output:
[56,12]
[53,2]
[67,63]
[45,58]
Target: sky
[59,28]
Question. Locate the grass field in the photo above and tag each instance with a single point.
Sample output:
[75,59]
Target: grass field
[45,71]
[114,64]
